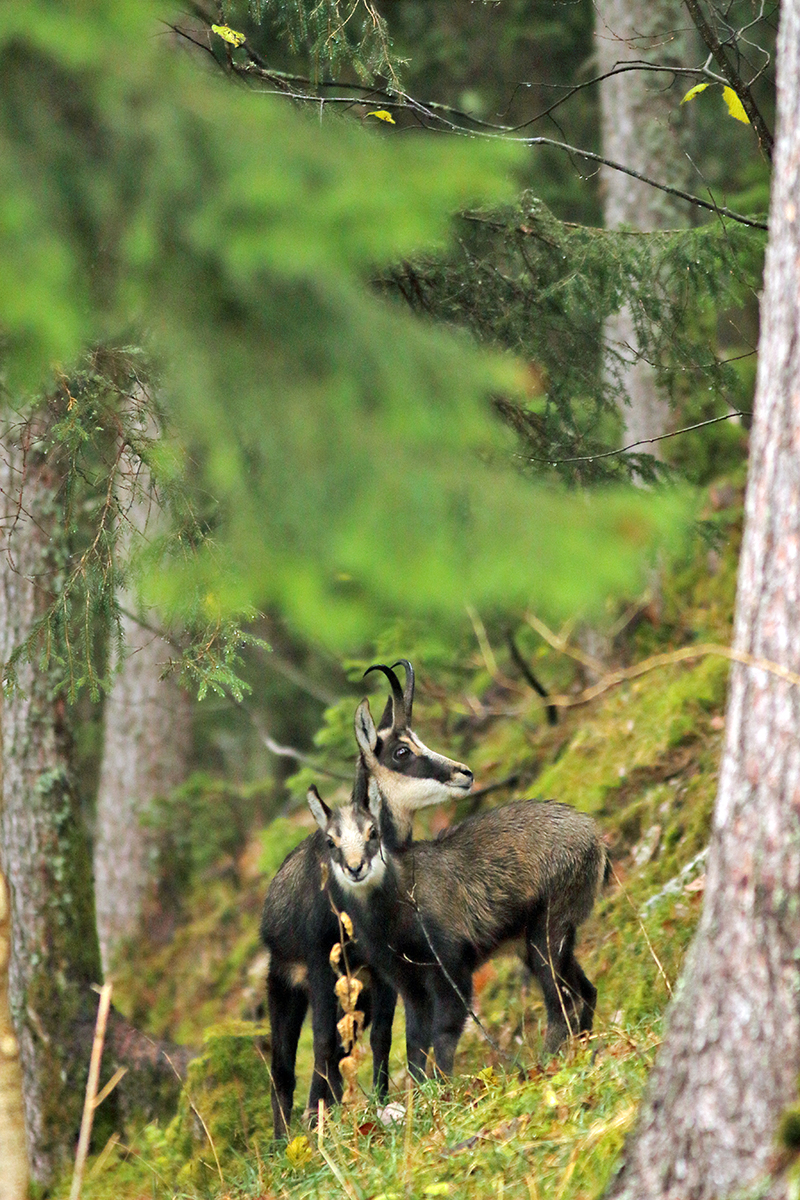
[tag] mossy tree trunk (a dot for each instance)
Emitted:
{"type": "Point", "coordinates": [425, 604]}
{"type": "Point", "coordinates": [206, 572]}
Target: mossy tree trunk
{"type": "Point", "coordinates": [147, 721]}
{"type": "Point", "coordinates": [639, 129]}
{"type": "Point", "coordinates": [730, 1061]}
{"type": "Point", "coordinates": [45, 858]}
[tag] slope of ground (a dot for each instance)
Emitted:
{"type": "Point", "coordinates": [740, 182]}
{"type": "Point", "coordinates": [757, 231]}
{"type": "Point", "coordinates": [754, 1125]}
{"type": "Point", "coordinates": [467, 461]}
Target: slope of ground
{"type": "Point", "coordinates": [643, 758]}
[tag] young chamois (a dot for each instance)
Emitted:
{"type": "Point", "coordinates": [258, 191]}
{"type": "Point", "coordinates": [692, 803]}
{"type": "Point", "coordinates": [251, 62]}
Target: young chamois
{"type": "Point", "coordinates": [299, 926]}
{"type": "Point", "coordinates": [428, 914]}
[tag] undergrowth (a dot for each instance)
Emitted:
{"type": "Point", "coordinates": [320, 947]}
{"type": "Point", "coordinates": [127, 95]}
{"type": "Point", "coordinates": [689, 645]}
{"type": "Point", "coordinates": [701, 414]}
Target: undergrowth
{"type": "Point", "coordinates": [643, 758]}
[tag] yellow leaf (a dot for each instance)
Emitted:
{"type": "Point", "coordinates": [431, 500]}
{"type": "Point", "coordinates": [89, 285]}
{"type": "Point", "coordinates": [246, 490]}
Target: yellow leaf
{"type": "Point", "coordinates": [298, 1151]}
{"type": "Point", "coordinates": [735, 106]}
{"type": "Point", "coordinates": [695, 91]}
{"type": "Point", "coordinates": [232, 36]}
{"type": "Point", "coordinates": [437, 1189]}
{"type": "Point", "coordinates": [382, 115]}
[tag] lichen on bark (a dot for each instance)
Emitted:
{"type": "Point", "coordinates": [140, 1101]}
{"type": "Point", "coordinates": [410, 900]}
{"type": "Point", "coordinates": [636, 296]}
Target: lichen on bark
{"type": "Point", "coordinates": [54, 952]}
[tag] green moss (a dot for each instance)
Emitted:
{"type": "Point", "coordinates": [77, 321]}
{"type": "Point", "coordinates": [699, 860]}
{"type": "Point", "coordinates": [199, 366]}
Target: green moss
{"type": "Point", "coordinates": [224, 1115]}
{"type": "Point", "coordinates": [634, 731]}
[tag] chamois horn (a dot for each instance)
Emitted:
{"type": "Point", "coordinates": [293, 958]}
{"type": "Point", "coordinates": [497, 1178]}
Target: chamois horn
{"type": "Point", "coordinates": [399, 716]}
{"type": "Point", "coordinates": [408, 690]}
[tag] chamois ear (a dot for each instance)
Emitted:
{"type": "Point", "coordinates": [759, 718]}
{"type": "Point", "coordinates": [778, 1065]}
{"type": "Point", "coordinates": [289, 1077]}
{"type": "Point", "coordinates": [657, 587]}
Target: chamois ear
{"type": "Point", "coordinates": [322, 814]}
{"type": "Point", "coordinates": [366, 736]}
{"type": "Point", "coordinates": [375, 801]}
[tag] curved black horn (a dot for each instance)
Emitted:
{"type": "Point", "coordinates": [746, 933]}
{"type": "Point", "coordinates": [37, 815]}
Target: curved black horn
{"type": "Point", "coordinates": [408, 690]}
{"type": "Point", "coordinates": [400, 720]}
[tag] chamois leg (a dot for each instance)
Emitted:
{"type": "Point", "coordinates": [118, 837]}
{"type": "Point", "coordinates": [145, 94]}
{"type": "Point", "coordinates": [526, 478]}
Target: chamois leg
{"type": "Point", "coordinates": [287, 1010]}
{"type": "Point", "coordinates": [450, 1013]}
{"type": "Point", "coordinates": [384, 1003]}
{"type": "Point", "coordinates": [419, 1024]}
{"type": "Point", "coordinates": [546, 957]}
{"type": "Point", "coordinates": [583, 988]}
{"type": "Point", "coordinates": [326, 1081]}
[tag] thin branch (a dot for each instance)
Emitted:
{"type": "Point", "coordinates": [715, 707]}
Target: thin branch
{"type": "Point", "coordinates": [285, 751]}
{"type": "Point", "coordinates": [733, 77]}
{"type": "Point", "coordinates": [654, 662]}
{"type": "Point", "coordinates": [434, 112]}
{"type": "Point", "coordinates": [557, 462]}
{"type": "Point", "coordinates": [528, 675]}
{"type": "Point", "coordinates": [91, 1101]}
{"type": "Point", "coordinates": [719, 209]}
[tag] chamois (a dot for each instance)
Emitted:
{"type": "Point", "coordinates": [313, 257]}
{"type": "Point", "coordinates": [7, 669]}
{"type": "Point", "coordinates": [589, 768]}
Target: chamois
{"type": "Point", "coordinates": [427, 914]}
{"type": "Point", "coordinates": [299, 927]}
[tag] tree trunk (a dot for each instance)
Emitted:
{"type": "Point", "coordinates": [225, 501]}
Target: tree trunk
{"type": "Point", "coordinates": [730, 1061]}
{"type": "Point", "coordinates": [13, 1155]}
{"type": "Point", "coordinates": [639, 129]}
{"type": "Point", "coordinates": [45, 859]}
{"type": "Point", "coordinates": [146, 751]}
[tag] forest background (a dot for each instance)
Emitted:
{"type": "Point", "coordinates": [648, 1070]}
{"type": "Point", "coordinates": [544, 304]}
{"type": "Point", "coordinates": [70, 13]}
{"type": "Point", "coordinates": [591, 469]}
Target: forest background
{"type": "Point", "coordinates": [274, 411]}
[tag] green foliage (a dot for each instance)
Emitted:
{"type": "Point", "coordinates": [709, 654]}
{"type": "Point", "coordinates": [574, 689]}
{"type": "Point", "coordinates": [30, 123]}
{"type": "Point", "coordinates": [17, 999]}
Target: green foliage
{"type": "Point", "coordinates": [277, 840]}
{"type": "Point", "coordinates": [353, 469]}
{"type": "Point", "coordinates": [98, 435]}
{"type": "Point", "coordinates": [548, 302]}
{"type": "Point", "coordinates": [201, 821]}
{"type": "Point", "coordinates": [330, 33]}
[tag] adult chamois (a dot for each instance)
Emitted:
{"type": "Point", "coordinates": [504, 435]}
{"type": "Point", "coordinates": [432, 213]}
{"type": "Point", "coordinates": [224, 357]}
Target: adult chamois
{"type": "Point", "coordinates": [299, 926]}
{"type": "Point", "coordinates": [427, 914]}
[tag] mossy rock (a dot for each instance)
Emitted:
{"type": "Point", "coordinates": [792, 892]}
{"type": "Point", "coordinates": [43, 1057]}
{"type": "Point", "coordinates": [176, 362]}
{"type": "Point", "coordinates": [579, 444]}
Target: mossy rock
{"type": "Point", "coordinates": [224, 1117]}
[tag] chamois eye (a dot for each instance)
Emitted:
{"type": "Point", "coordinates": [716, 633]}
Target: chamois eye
{"type": "Point", "coordinates": [400, 753]}
{"type": "Point", "coordinates": [331, 843]}
{"type": "Point", "coordinates": [372, 833]}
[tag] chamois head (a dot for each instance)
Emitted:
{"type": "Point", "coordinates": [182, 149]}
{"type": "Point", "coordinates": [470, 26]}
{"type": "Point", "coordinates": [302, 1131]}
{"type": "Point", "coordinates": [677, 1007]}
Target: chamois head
{"type": "Point", "coordinates": [407, 773]}
{"type": "Point", "coordinates": [351, 833]}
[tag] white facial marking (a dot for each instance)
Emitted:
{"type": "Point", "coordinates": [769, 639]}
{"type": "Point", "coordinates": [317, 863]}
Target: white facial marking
{"type": "Point", "coordinates": [372, 879]}
{"type": "Point", "coordinates": [351, 840]}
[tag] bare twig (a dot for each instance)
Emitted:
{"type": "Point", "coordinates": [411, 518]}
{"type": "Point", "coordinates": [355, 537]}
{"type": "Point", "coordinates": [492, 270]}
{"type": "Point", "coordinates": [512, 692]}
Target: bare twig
{"type": "Point", "coordinates": [650, 946]}
{"type": "Point", "coordinates": [199, 1116]}
{"type": "Point", "coordinates": [653, 663]}
{"type": "Point", "coordinates": [557, 462]}
{"type": "Point", "coordinates": [461, 123]}
{"type": "Point", "coordinates": [91, 1101]}
{"type": "Point", "coordinates": [733, 77]}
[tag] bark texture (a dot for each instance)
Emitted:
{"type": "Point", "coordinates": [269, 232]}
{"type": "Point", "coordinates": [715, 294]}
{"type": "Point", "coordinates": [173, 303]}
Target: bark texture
{"type": "Point", "coordinates": [43, 850]}
{"type": "Point", "coordinates": [639, 128]}
{"type": "Point", "coordinates": [730, 1061]}
{"type": "Point", "coordinates": [13, 1153]}
{"type": "Point", "coordinates": [146, 751]}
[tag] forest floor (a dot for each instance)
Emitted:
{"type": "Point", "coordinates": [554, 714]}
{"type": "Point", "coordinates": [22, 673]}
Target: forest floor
{"type": "Point", "coordinates": [642, 758]}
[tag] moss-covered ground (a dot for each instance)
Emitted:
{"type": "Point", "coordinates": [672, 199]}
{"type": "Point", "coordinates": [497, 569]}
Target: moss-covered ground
{"type": "Point", "coordinates": [643, 758]}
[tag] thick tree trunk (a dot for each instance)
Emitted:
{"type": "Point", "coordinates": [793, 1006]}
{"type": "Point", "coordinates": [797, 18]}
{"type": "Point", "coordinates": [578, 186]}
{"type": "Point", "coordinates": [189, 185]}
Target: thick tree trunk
{"type": "Point", "coordinates": [13, 1154]}
{"type": "Point", "coordinates": [639, 128]}
{"type": "Point", "coordinates": [146, 752]}
{"type": "Point", "coordinates": [45, 858]}
{"type": "Point", "coordinates": [731, 1058]}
